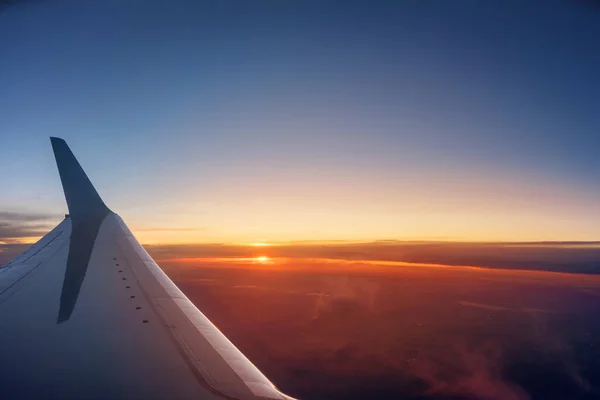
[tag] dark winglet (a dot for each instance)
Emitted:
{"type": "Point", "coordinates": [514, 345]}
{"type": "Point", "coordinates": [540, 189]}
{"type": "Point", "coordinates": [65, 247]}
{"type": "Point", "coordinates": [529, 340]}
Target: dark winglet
{"type": "Point", "coordinates": [87, 211]}
{"type": "Point", "coordinates": [82, 199]}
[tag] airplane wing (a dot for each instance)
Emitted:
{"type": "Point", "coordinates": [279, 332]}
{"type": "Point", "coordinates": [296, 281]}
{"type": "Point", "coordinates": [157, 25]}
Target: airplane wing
{"type": "Point", "coordinates": [85, 313]}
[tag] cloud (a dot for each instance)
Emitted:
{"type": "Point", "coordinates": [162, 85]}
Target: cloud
{"type": "Point", "coordinates": [484, 306]}
{"type": "Point", "coordinates": [572, 257]}
{"type": "Point", "coordinates": [503, 308]}
{"type": "Point", "coordinates": [562, 352]}
{"type": "Point", "coordinates": [449, 366]}
{"type": "Point", "coordinates": [13, 216]}
{"type": "Point", "coordinates": [473, 371]}
{"type": "Point", "coordinates": [159, 229]}
{"type": "Point", "coordinates": [254, 287]}
{"type": "Point", "coordinates": [15, 226]}
{"type": "Point", "coordinates": [343, 292]}
{"type": "Point", "coordinates": [11, 233]}
{"type": "Point", "coordinates": [332, 332]}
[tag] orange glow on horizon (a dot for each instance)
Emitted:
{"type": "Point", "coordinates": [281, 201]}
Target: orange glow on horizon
{"type": "Point", "coordinates": [24, 240]}
{"type": "Point", "coordinates": [329, 261]}
{"type": "Point", "coordinates": [329, 265]}
{"type": "Point", "coordinates": [471, 207]}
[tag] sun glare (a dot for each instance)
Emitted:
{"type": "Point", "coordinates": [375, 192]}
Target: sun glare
{"type": "Point", "coordinates": [262, 259]}
{"type": "Point", "coordinates": [260, 244]}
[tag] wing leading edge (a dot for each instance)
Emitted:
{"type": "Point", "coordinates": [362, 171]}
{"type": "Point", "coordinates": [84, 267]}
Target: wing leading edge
{"type": "Point", "coordinates": [86, 313]}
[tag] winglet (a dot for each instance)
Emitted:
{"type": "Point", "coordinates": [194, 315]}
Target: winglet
{"type": "Point", "coordinates": [82, 199]}
{"type": "Point", "coordinates": [87, 211]}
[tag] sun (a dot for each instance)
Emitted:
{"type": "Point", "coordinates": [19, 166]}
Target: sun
{"type": "Point", "coordinates": [262, 259]}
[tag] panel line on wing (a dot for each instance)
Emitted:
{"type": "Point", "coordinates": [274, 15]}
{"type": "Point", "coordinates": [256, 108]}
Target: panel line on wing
{"type": "Point", "coordinates": [21, 278]}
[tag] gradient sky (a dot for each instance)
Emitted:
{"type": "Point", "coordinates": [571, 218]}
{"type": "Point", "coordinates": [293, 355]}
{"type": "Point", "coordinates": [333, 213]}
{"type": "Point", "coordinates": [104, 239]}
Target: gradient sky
{"type": "Point", "coordinates": [291, 120]}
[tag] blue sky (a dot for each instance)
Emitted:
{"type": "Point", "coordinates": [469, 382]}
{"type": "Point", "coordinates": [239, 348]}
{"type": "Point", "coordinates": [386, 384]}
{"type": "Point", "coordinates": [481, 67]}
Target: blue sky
{"type": "Point", "coordinates": [284, 120]}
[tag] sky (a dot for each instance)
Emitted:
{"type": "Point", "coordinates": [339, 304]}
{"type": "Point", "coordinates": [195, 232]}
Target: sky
{"type": "Point", "coordinates": [276, 121]}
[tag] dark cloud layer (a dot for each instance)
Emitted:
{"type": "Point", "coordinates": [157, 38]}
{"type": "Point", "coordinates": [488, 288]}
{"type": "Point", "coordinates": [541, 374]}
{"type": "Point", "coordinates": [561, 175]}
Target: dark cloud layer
{"type": "Point", "coordinates": [15, 226]}
{"type": "Point", "coordinates": [429, 334]}
{"type": "Point", "coordinates": [576, 257]}
{"type": "Point", "coordinates": [26, 217]}
{"type": "Point", "coordinates": [10, 232]}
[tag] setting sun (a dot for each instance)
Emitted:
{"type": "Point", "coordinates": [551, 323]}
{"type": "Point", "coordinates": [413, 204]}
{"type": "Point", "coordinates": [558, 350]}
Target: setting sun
{"type": "Point", "coordinates": [262, 259]}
